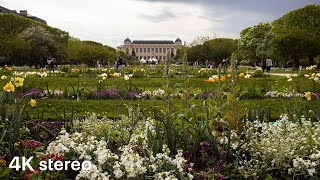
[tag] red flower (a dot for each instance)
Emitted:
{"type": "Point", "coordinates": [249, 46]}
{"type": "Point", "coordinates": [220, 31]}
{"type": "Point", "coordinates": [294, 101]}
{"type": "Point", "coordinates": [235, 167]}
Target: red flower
{"type": "Point", "coordinates": [26, 175]}
{"type": "Point", "coordinates": [31, 144]}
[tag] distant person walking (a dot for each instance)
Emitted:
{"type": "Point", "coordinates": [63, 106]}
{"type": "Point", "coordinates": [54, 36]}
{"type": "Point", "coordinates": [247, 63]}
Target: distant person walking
{"type": "Point", "coordinates": [50, 62]}
{"type": "Point", "coordinates": [224, 65]}
{"type": "Point", "coordinates": [268, 64]}
{"type": "Point", "coordinates": [236, 63]}
{"type": "Point", "coordinates": [264, 64]}
{"type": "Point", "coordinates": [99, 64]}
{"type": "Point", "coordinates": [119, 63]}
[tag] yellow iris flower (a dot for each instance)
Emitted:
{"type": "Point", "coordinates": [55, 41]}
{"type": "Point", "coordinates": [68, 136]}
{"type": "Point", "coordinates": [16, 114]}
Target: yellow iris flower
{"type": "Point", "coordinates": [18, 81]}
{"type": "Point", "coordinates": [241, 74]}
{"type": "Point", "coordinates": [307, 95]}
{"type": "Point", "coordinates": [32, 102]}
{"type": "Point", "coordinates": [8, 87]}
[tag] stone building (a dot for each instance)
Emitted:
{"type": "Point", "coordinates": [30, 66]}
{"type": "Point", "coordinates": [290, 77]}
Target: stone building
{"type": "Point", "coordinates": [150, 48]}
{"type": "Point", "coordinates": [23, 13]}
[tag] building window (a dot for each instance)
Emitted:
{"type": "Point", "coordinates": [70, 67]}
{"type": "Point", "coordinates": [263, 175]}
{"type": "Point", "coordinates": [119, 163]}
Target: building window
{"type": "Point", "coordinates": [160, 58]}
{"type": "Point", "coordinates": [172, 50]}
{"type": "Point", "coordinates": [152, 49]}
{"type": "Point", "coordinates": [156, 50]}
{"type": "Point", "coordinates": [141, 50]}
{"type": "Point", "coordinates": [164, 50]}
{"type": "Point", "coordinates": [164, 58]}
{"type": "Point", "coordinates": [148, 57]}
{"type": "Point", "coordinates": [145, 57]}
{"type": "Point", "coordinates": [144, 50]}
{"type": "Point", "coordinates": [148, 50]}
{"type": "Point", "coordinates": [137, 50]}
{"type": "Point", "coordinates": [157, 57]}
{"type": "Point", "coordinates": [160, 50]}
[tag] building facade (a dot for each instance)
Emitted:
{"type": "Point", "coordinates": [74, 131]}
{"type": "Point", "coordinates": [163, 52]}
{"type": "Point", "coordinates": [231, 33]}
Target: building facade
{"type": "Point", "coordinates": [23, 13]}
{"type": "Point", "coordinates": [147, 49]}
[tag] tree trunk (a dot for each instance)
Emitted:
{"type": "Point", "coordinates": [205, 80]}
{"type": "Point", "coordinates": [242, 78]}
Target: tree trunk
{"type": "Point", "coordinates": [296, 63]}
{"type": "Point", "coordinates": [311, 60]}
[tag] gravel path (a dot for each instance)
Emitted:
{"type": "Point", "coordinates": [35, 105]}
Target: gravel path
{"type": "Point", "coordinates": [278, 74]}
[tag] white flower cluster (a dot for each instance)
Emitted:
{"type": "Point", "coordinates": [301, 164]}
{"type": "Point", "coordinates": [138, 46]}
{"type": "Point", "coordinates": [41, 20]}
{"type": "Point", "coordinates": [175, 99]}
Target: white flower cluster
{"type": "Point", "coordinates": [52, 92]}
{"type": "Point", "coordinates": [313, 76]}
{"type": "Point", "coordinates": [159, 93]}
{"type": "Point", "coordinates": [276, 94]}
{"type": "Point", "coordinates": [289, 76]}
{"type": "Point", "coordinates": [127, 77]}
{"type": "Point", "coordinates": [132, 161]}
{"type": "Point", "coordinates": [279, 145]}
{"type": "Point", "coordinates": [311, 68]}
{"type": "Point", "coordinates": [28, 73]}
{"type": "Point", "coordinates": [103, 75]}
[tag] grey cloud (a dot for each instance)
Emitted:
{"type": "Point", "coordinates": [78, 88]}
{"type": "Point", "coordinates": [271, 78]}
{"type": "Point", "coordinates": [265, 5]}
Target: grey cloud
{"type": "Point", "coordinates": [275, 7]}
{"type": "Point", "coordinates": [163, 15]}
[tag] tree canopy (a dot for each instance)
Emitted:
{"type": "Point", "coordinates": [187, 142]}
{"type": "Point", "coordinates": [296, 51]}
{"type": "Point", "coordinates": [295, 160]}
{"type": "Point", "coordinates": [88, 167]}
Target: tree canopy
{"type": "Point", "coordinates": [211, 50]}
{"type": "Point", "coordinates": [25, 41]}
{"type": "Point", "coordinates": [291, 37]}
{"type": "Point", "coordinates": [254, 42]}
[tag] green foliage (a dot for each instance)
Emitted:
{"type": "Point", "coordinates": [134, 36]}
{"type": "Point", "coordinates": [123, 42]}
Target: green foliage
{"type": "Point", "coordinates": [40, 41]}
{"type": "Point", "coordinates": [303, 18]}
{"type": "Point", "coordinates": [220, 48]}
{"type": "Point", "coordinates": [13, 25]}
{"type": "Point", "coordinates": [85, 52]}
{"type": "Point", "coordinates": [303, 23]}
{"type": "Point", "coordinates": [295, 44]}
{"type": "Point", "coordinates": [214, 49]}
{"type": "Point", "coordinates": [254, 42]}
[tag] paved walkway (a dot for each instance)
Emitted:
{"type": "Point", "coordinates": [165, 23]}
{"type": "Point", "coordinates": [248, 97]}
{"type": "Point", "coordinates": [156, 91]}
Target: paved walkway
{"type": "Point", "coordinates": [279, 74]}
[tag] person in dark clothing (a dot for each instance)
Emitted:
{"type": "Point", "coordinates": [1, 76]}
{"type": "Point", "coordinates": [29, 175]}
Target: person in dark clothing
{"type": "Point", "coordinates": [50, 62]}
{"type": "Point", "coordinates": [119, 63]}
{"type": "Point", "coordinates": [264, 64]}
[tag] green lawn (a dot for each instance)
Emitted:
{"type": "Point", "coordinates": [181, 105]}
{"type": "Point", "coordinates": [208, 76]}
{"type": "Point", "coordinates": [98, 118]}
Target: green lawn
{"type": "Point", "coordinates": [53, 108]}
{"type": "Point", "coordinates": [89, 84]}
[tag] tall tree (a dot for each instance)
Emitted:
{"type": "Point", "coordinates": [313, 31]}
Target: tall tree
{"type": "Point", "coordinates": [41, 41]}
{"type": "Point", "coordinates": [306, 18]}
{"type": "Point", "coordinates": [254, 42]}
{"type": "Point", "coordinates": [295, 44]}
{"type": "Point", "coordinates": [220, 48]}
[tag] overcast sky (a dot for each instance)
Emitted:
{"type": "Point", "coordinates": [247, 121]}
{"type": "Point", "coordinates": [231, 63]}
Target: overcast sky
{"type": "Point", "coordinates": [111, 21]}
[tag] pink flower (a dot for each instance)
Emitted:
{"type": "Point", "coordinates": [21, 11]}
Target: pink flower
{"type": "Point", "coordinates": [26, 175]}
{"type": "Point", "coordinates": [31, 144]}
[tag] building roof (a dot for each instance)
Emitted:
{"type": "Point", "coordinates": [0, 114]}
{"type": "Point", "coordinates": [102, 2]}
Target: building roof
{"type": "Point", "coordinates": [127, 40]}
{"type": "Point", "coordinates": [37, 19]}
{"type": "Point", "coordinates": [151, 42]}
{"type": "Point", "coordinates": [5, 10]}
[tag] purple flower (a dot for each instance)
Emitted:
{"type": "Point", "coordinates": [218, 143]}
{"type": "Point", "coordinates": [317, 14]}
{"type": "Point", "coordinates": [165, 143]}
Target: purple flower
{"type": "Point", "coordinates": [222, 153]}
{"type": "Point", "coordinates": [187, 155]}
{"type": "Point", "coordinates": [188, 167]}
{"type": "Point", "coordinates": [106, 94]}
{"type": "Point", "coordinates": [204, 145]}
{"type": "Point", "coordinates": [200, 176]}
{"type": "Point", "coordinates": [219, 178]}
{"type": "Point", "coordinates": [34, 92]}
{"type": "Point", "coordinates": [130, 95]}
